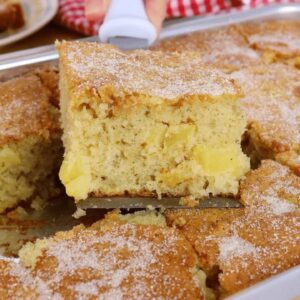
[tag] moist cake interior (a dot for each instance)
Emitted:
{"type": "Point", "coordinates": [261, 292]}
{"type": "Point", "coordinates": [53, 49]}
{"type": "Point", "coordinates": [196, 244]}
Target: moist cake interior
{"type": "Point", "coordinates": [30, 141]}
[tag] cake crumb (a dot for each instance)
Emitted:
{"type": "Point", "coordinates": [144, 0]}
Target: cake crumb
{"type": "Point", "coordinates": [189, 201]}
{"type": "Point", "coordinates": [79, 213]}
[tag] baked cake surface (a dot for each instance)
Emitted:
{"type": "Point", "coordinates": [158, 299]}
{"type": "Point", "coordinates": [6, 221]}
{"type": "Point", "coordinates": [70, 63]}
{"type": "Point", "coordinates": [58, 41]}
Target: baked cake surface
{"type": "Point", "coordinates": [223, 47]}
{"type": "Point", "coordinates": [276, 39]}
{"type": "Point", "coordinates": [22, 114]}
{"type": "Point", "coordinates": [244, 246]}
{"type": "Point", "coordinates": [12, 274]}
{"type": "Point", "coordinates": [110, 260]}
{"type": "Point", "coordinates": [29, 139]}
{"type": "Point", "coordinates": [272, 107]}
{"type": "Point", "coordinates": [147, 123]}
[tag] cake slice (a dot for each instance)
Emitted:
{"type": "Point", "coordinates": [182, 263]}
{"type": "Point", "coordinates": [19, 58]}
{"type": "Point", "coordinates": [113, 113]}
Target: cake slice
{"type": "Point", "coordinates": [11, 15]}
{"type": "Point", "coordinates": [272, 107]}
{"type": "Point", "coordinates": [240, 247]}
{"type": "Point", "coordinates": [147, 123]}
{"type": "Point", "coordinates": [112, 259]}
{"type": "Point", "coordinates": [30, 147]}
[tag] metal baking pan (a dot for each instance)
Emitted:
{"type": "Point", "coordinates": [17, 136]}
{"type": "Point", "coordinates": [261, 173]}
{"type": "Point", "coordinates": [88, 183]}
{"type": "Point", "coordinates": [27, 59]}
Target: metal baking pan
{"type": "Point", "coordinates": [282, 286]}
{"type": "Point", "coordinates": [31, 57]}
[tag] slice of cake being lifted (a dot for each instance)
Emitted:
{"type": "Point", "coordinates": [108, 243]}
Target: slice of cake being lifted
{"type": "Point", "coordinates": [147, 123]}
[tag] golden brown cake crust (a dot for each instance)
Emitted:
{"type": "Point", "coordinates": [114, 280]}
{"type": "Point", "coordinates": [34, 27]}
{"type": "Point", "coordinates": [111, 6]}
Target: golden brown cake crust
{"type": "Point", "coordinates": [197, 224]}
{"type": "Point", "coordinates": [25, 109]}
{"type": "Point", "coordinates": [112, 261]}
{"type": "Point", "coordinates": [272, 107]}
{"type": "Point", "coordinates": [223, 47]}
{"type": "Point", "coordinates": [262, 247]}
{"type": "Point", "coordinates": [10, 270]}
{"type": "Point", "coordinates": [271, 188]}
{"type": "Point", "coordinates": [49, 76]}
{"type": "Point", "coordinates": [271, 104]}
{"type": "Point", "coordinates": [89, 68]}
{"type": "Point", "coordinates": [144, 254]}
{"type": "Point", "coordinates": [290, 159]}
{"type": "Point", "coordinates": [251, 244]}
{"type": "Point", "coordinates": [280, 36]}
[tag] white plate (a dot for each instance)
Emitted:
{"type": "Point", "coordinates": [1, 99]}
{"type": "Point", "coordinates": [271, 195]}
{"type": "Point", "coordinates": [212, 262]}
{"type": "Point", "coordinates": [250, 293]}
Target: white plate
{"type": "Point", "coordinates": [37, 14]}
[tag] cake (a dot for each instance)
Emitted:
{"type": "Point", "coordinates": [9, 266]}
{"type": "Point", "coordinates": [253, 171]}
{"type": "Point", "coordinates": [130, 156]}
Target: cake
{"type": "Point", "coordinates": [147, 123]}
{"type": "Point", "coordinates": [272, 107]}
{"type": "Point", "coordinates": [271, 188]}
{"type": "Point", "coordinates": [11, 15]}
{"type": "Point", "coordinates": [30, 146]}
{"type": "Point", "coordinates": [111, 259]}
{"type": "Point", "coordinates": [240, 247]}
{"type": "Point", "coordinates": [13, 272]}
{"type": "Point", "coordinates": [224, 48]}
{"type": "Point", "coordinates": [276, 40]}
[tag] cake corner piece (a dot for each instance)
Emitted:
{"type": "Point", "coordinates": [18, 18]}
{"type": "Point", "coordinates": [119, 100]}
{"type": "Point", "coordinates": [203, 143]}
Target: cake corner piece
{"type": "Point", "coordinates": [29, 133]}
{"type": "Point", "coordinates": [147, 123]}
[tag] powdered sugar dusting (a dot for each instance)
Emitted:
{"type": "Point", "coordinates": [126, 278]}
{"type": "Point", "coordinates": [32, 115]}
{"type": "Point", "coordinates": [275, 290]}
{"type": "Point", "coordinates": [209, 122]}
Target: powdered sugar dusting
{"type": "Point", "coordinates": [279, 206]}
{"type": "Point", "coordinates": [24, 284]}
{"type": "Point", "coordinates": [272, 103]}
{"type": "Point", "coordinates": [222, 47]}
{"type": "Point", "coordinates": [81, 254]}
{"type": "Point", "coordinates": [87, 289]}
{"type": "Point", "coordinates": [24, 110]}
{"type": "Point", "coordinates": [272, 189]}
{"type": "Point", "coordinates": [286, 39]}
{"type": "Point", "coordinates": [297, 159]}
{"type": "Point", "coordinates": [117, 262]}
{"type": "Point", "coordinates": [281, 36]}
{"type": "Point", "coordinates": [157, 74]}
{"type": "Point", "coordinates": [233, 246]}
{"type": "Point", "coordinates": [252, 243]}
{"type": "Point", "coordinates": [231, 50]}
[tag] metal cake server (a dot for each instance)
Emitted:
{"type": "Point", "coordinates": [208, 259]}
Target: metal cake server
{"type": "Point", "coordinates": [144, 202]}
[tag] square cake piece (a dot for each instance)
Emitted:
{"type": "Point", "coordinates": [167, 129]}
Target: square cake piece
{"type": "Point", "coordinates": [30, 146]}
{"type": "Point", "coordinates": [272, 108]}
{"type": "Point", "coordinates": [147, 123]}
{"type": "Point", "coordinates": [110, 260]}
{"type": "Point", "coordinates": [240, 247]}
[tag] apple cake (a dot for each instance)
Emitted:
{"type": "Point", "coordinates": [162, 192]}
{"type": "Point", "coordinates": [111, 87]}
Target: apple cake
{"type": "Point", "coordinates": [272, 107]}
{"type": "Point", "coordinates": [276, 40]}
{"type": "Point", "coordinates": [240, 247]}
{"type": "Point", "coordinates": [30, 146]}
{"type": "Point", "coordinates": [11, 15]}
{"type": "Point", "coordinates": [112, 259]}
{"type": "Point", "coordinates": [147, 123]}
{"type": "Point", "coordinates": [224, 48]}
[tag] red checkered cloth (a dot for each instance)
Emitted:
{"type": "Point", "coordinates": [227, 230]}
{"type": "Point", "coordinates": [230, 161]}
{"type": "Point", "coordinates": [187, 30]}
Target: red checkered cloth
{"type": "Point", "coordinates": [71, 12]}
